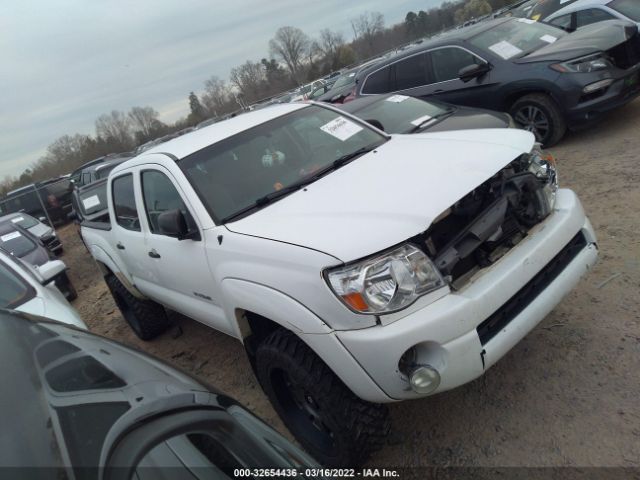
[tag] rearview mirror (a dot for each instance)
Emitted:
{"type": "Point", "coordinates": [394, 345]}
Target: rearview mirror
{"type": "Point", "coordinates": [173, 223]}
{"type": "Point", "coordinates": [50, 270]}
{"type": "Point", "coordinates": [472, 71]}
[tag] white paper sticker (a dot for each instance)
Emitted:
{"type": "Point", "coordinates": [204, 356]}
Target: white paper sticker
{"type": "Point", "coordinates": [505, 49]}
{"type": "Point", "coordinates": [548, 38]}
{"type": "Point", "coordinates": [397, 98]}
{"type": "Point", "coordinates": [341, 128]}
{"type": "Point", "coordinates": [10, 236]}
{"type": "Point", "coordinates": [17, 219]}
{"type": "Point", "coordinates": [421, 120]}
{"type": "Point", "coordinates": [526, 20]}
{"type": "Point", "coordinates": [91, 202]}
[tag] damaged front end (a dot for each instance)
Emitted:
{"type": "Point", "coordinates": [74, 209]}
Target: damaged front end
{"type": "Point", "coordinates": [485, 224]}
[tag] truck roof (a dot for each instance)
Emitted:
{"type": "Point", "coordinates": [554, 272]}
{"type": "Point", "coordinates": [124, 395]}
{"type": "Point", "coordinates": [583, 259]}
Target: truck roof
{"type": "Point", "coordinates": [185, 145]}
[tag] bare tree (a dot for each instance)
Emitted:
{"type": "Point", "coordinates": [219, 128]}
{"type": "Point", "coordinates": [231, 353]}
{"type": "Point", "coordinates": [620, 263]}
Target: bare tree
{"type": "Point", "coordinates": [248, 78]}
{"type": "Point", "coordinates": [331, 44]}
{"type": "Point", "coordinates": [290, 44]}
{"type": "Point", "coordinates": [216, 96]}
{"type": "Point", "coordinates": [115, 127]}
{"type": "Point", "coordinates": [367, 27]}
{"type": "Point", "coordinates": [144, 120]}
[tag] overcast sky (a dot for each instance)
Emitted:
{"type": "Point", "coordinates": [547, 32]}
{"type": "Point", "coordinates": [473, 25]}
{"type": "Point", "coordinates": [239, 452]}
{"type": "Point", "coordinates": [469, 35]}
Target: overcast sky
{"type": "Point", "coordinates": [65, 62]}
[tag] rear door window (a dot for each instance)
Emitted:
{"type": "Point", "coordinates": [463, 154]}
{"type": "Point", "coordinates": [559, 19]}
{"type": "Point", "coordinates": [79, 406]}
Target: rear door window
{"type": "Point", "coordinates": [124, 203]}
{"type": "Point", "coordinates": [412, 72]}
{"type": "Point", "coordinates": [378, 82]}
{"type": "Point", "coordinates": [447, 62]}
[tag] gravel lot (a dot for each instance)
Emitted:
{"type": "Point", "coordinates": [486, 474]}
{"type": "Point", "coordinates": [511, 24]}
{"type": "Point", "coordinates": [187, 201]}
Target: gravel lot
{"type": "Point", "coordinates": [567, 395]}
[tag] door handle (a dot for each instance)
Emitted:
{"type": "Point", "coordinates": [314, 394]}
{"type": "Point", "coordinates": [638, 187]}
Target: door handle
{"type": "Point", "coordinates": [438, 91]}
{"type": "Point", "coordinates": [154, 254]}
{"type": "Point", "coordinates": [120, 246]}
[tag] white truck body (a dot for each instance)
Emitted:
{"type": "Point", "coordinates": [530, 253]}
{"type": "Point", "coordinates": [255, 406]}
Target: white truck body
{"type": "Point", "coordinates": [271, 262]}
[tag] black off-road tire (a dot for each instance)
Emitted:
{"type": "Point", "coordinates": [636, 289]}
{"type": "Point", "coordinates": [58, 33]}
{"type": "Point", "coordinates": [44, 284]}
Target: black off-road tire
{"type": "Point", "coordinates": [546, 106]}
{"type": "Point", "coordinates": [146, 318]}
{"type": "Point", "coordinates": [354, 428]}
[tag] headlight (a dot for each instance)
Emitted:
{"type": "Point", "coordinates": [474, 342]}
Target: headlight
{"type": "Point", "coordinates": [543, 166]}
{"type": "Point", "coordinates": [590, 63]}
{"type": "Point", "coordinates": [385, 283]}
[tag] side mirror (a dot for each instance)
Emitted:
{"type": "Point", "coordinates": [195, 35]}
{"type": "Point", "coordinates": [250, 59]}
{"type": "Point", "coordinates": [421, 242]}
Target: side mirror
{"type": "Point", "coordinates": [173, 223]}
{"type": "Point", "coordinates": [472, 71]}
{"type": "Point", "coordinates": [50, 270]}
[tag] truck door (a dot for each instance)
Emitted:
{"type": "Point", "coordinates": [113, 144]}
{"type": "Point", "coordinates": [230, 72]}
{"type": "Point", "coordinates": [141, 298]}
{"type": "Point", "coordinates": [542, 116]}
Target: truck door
{"type": "Point", "coordinates": [186, 283]}
{"type": "Point", "coordinates": [128, 236]}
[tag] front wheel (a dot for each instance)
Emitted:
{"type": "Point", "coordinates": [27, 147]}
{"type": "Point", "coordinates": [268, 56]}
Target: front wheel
{"type": "Point", "coordinates": [540, 115]}
{"type": "Point", "coordinates": [330, 422]}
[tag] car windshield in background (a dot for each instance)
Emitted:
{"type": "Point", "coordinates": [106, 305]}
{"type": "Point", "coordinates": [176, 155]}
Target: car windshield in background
{"type": "Point", "coordinates": [25, 221]}
{"type": "Point", "coordinates": [516, 38]}
{"type": "Point", "coordinates": [628, 8]}
{"type": "Point", "coordinates": [346, 79]}
{"type": "Point", "coordinates": [402, 114]}
{"type": "Point", "coordinates": [235, 173]}
{"type": "Point", "coordinates": [93, 199]}
{"type": "Point", "coordinates": [16, 243]}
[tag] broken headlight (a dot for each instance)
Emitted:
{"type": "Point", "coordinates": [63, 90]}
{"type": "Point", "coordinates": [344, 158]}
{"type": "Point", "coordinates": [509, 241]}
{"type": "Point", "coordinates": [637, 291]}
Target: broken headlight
{"type": "Point", "coordinates": [385, 283]}
{"type": "Point", "coordinates": [543, 166]}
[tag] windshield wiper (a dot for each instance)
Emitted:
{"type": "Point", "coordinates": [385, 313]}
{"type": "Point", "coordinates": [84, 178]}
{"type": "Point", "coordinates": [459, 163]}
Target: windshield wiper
{"type": "Point", "coordinates": [427, 121]}
{"type": "Point", "coordinates": [270, 197]}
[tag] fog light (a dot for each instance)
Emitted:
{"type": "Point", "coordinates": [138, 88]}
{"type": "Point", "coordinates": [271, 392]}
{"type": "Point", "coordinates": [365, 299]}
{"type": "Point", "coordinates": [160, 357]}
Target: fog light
{"type": "Point", "coordinates": [594, 87]}
{"type": "Point", "coordinates": [424, 379]}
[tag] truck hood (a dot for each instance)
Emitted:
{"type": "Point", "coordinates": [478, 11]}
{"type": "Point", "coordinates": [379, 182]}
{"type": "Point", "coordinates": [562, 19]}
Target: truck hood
{"type": "Point", "coordinates": [597, 37]}
{"type": "Point", "coordinates": [389, 195]}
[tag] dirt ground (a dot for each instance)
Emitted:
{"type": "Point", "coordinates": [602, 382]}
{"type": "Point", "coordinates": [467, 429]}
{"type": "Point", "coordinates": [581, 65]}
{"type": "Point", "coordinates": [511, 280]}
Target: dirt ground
{"type": "Point", "coordinates": [567, 395]}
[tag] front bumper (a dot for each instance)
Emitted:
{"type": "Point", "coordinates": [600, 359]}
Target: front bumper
{"type": "Point", "coordinates": [446, 334]}
{"type": "Point", "coordinates": [583, 109]}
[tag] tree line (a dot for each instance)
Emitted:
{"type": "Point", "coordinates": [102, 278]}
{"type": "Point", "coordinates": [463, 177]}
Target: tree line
{"type": "Point", "coordinates": [295, 58]}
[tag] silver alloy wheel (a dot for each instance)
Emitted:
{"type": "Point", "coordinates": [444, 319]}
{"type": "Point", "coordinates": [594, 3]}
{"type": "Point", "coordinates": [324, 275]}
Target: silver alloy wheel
{"type": "Point", "coordinates": [534, 120]}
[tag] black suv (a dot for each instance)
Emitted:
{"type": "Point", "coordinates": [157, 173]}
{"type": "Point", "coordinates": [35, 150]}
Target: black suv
{"type": "Point", "coordinates": [546, 78]}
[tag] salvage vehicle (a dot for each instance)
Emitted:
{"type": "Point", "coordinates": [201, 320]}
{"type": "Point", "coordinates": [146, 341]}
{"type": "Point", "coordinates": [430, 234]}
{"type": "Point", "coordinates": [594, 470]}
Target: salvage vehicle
{"type": "Point", "coordinates": [79, 406]}
{"type": "Point", "coordinates": [394, 113]}
{"type": "Point", "coordinates": [585, 12]}
{"type": "Point", "coordinates": [22, 244]}
{"type": "Point", "coordinates": [546, 78]}
{"type": "Point", "coordinates": [44, 232]}
{"type": "Point", "coordinates": [357, 268]}
{"type": "Point", "coordinates": [29, 289]}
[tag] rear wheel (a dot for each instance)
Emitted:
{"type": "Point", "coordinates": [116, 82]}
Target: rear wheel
{"type": "Point", "coordinates": [540, 115]}
{"type": "Point", "coordinates": [332, 424]}
{"type": "Point", "coordinates": [146, 318]}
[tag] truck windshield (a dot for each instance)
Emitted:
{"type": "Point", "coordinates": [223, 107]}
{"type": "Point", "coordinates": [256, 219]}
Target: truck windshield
{"type": "Point", "coordinates": [16, 243]}
{"type": "Point", "coordinates": [25, 221]}
{"type": "Point", "coordinates": [516, 38]}
{"type": "Point", "coordinates": [232, 175]}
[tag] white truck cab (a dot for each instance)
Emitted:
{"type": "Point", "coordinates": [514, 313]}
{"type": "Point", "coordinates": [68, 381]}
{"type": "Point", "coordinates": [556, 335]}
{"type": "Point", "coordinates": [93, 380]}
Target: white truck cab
{"type": "Point", "coordinates": [357, 268]}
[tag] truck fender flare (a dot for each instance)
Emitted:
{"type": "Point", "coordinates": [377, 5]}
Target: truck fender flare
{"type": "Point", "coordinates": [244, 295]}
{"type": "Point", "coordinates": [108, 266]}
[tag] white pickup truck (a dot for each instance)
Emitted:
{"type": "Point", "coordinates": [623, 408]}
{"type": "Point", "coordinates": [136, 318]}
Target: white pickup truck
{"type": "Point", "coordinates": [356, 267]}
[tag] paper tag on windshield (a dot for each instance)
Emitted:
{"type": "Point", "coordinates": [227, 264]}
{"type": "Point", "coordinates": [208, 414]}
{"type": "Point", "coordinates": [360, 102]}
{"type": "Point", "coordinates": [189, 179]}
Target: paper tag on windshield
{"type": "Point", "coordinates": [91, 202]}
{"type": "Point", "coordinates": [505, 49]}
{"type": "Point", "coordinates": [526, 20]}
{"type": "Point", "coordinates": [397, 98]}
{"type": "Point", "coordinates": [10, 236]}
{"type": "Point", "coordinates": [548, 38]}
{"type": "Point", "coordinates": [17, 219]}
{"type": "Point", "coordinates": [341, 128]}
{"type": "Point", "coordinates": [421, 120]}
